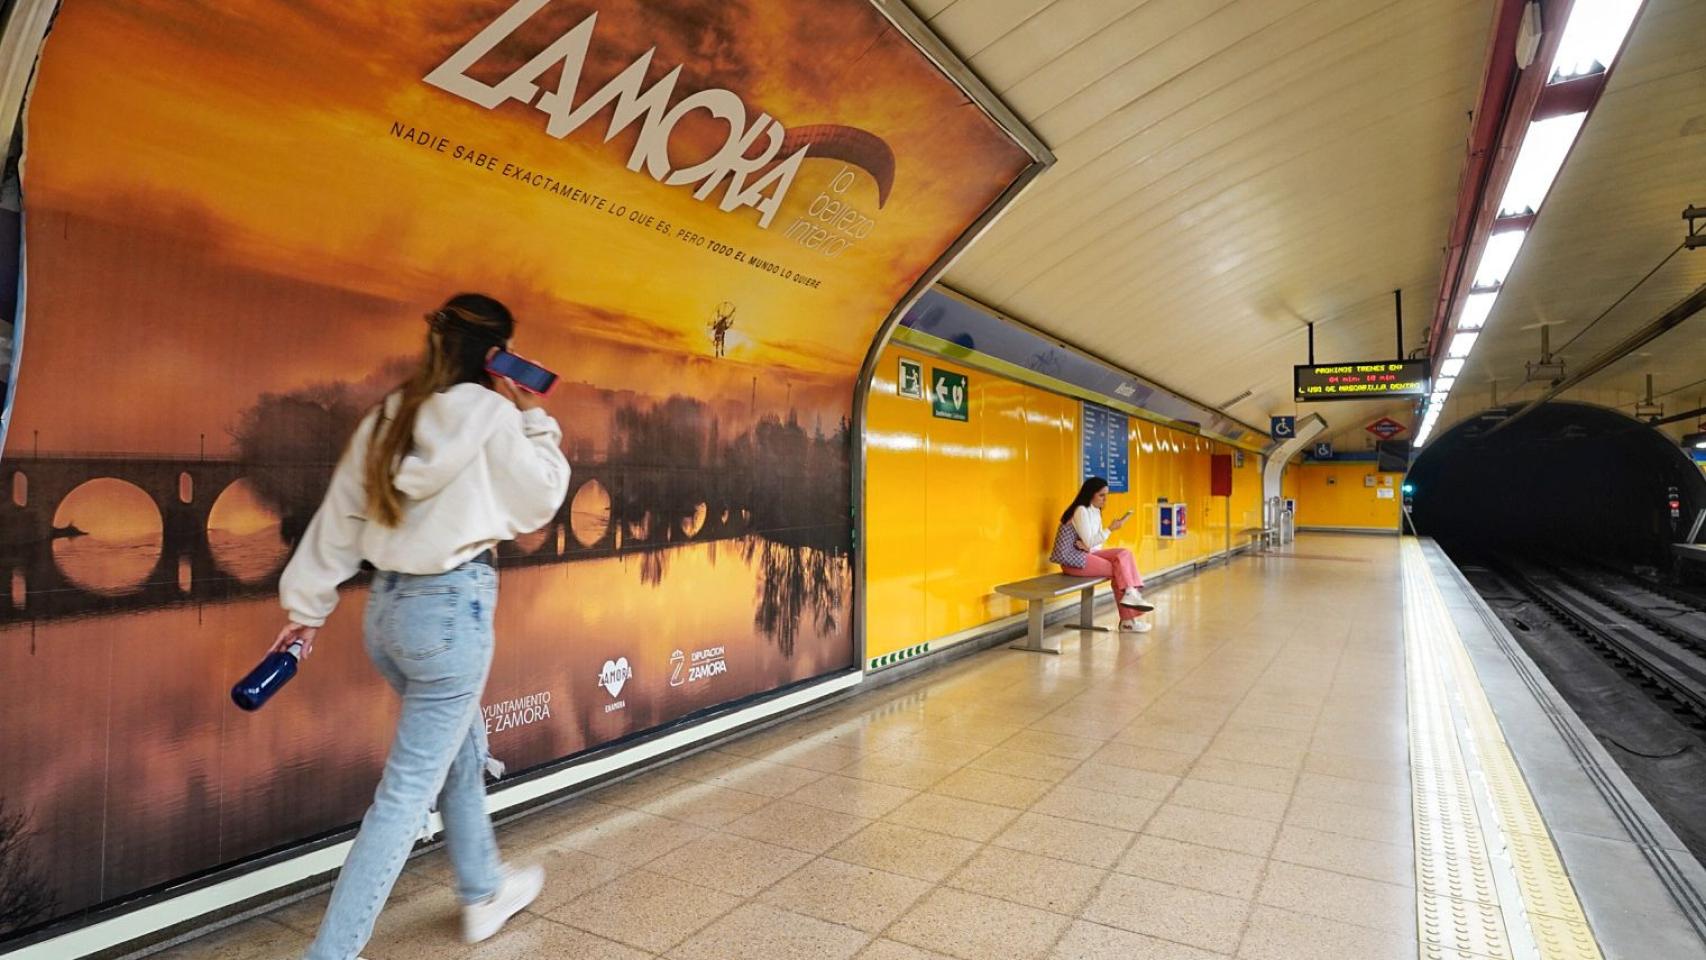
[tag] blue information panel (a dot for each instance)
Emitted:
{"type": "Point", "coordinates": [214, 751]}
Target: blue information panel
{"type": "Point", "coordinates": [1105, 452]}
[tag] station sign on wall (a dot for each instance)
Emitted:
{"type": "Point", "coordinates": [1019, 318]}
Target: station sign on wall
{"type": "Point", "coordinates": [1105, 437]}
{"type": "Point", "coordinates": [1362, 380]}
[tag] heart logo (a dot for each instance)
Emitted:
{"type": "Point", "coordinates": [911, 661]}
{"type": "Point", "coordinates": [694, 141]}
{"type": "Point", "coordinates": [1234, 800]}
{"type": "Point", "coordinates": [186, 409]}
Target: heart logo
{"type": "Point", "coordinates": [614, 675]}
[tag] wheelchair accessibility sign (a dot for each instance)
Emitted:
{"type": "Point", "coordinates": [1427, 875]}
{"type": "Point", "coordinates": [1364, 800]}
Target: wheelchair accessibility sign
{"type": "Point", "coordinates": [949, 397]}
{"type": "Point", "coordinates": [1282, 428]}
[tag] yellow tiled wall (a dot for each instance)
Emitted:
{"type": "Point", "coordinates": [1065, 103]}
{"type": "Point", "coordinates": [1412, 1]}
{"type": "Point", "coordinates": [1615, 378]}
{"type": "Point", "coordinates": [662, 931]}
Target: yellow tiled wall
{"type": "Point", "coordinates": [1337, 495]}
{"type": "Point", "coordinates": [953, 508]}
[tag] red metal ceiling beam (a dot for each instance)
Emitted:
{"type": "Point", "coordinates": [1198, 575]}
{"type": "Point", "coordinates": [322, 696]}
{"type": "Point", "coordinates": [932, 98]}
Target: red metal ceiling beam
{"type": "Point", "coordinates": [1569, 96]}
{"type": "Point", "coordinates": [1508, 100]}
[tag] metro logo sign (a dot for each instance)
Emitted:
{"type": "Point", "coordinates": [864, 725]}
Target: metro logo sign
{"type": "Point", "coordinates": [1386, 428]}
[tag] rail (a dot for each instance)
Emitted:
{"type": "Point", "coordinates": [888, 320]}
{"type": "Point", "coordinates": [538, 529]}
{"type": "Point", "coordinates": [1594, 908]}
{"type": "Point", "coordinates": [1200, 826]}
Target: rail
{"type": "Point", "coordinates": [1670, 656]}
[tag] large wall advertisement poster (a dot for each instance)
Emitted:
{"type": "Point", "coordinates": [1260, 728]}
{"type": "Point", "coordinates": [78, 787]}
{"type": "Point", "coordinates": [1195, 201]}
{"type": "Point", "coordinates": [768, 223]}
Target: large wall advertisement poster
{"type": "Point", "coordinates": [236, 215]}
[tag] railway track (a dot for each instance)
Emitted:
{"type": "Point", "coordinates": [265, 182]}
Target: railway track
{"type": "Point", "coordinates": [1628, 675]}
{"type": "Point", "coordinates": [1666, 610]}
{"type": "Point", "coordinates": [1651, 636]}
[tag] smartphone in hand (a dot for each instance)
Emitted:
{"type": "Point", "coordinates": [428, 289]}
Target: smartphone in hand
{"type": "Point", "coordinates": [523, 373]}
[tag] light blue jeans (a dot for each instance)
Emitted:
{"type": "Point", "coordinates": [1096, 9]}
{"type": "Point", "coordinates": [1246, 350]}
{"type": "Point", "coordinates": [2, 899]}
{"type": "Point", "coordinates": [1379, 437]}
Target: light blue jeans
{"type": "Point", "coordinates": [431, 637]}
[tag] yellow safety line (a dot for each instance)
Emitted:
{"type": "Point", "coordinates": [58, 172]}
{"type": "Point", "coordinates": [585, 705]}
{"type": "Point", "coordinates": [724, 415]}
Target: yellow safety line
{"type": "Point", "coordinates": [1487, 872]}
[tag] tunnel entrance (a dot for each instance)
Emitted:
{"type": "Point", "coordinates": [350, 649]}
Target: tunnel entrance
{"type": "Point", "coordinates": [1568, 480]}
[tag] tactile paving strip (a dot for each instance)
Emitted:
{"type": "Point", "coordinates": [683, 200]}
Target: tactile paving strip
{"type": "Point", "coordinates": [1462, 926]}
{"type": "Point", "coordinates": [1487, 872]}
{"type": "Point", "coordinates": [1457, 903]}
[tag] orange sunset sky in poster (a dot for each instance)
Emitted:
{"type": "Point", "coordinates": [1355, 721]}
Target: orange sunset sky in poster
{"type": "Point", "coordinates": [216, 207]}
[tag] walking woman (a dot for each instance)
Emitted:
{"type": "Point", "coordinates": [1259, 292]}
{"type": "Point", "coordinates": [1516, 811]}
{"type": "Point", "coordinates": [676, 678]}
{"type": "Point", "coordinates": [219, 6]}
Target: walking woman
{"type": "Point", "coordinates": [1078, 550]}
{"type": "Point", "coordinates": [447, 466]}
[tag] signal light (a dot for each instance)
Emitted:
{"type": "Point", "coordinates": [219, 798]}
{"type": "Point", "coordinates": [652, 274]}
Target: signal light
{"type": "Point", "coordinates": [1409, 488]}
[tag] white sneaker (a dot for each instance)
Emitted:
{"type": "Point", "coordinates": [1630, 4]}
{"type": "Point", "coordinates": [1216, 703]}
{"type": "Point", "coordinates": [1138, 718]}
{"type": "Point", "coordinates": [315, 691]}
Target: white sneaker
{"type": "Point", "coordinates": [519, 888]}
{"type": "Point", "coordinates": [1133, 597]}
{"type": "Point", "coordinates": [1135, 626]}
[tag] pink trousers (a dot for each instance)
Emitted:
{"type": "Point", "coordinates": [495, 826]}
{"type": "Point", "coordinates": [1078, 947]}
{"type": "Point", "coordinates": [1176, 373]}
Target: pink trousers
{"type": "Point", "coordinates": [1118, 564]}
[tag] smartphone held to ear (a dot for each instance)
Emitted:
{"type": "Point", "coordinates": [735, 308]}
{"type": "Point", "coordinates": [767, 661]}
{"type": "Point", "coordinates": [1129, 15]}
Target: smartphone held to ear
{"type": "Point", "coordinates": [523, 373]}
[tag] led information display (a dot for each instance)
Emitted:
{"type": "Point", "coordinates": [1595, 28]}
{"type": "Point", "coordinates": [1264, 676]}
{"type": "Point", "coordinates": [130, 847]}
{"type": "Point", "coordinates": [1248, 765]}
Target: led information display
{"type": "Point", "coordinates": [1361, 381]}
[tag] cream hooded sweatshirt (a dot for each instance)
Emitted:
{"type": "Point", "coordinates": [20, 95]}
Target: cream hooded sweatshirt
{"type": "Point", "coordinates": [481, 471]}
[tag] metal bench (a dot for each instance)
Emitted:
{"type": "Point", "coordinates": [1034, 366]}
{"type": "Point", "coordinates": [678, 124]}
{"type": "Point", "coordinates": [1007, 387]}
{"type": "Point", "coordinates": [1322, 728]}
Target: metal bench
{"type": "Point", "coordinates": [1039, 590]}
{"type": "Point", "coordinates": [1261, 535]}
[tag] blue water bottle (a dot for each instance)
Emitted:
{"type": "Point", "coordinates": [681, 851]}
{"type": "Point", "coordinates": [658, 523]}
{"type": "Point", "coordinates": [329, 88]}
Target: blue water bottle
{"type": "Point", "coordinates": [274, 672]}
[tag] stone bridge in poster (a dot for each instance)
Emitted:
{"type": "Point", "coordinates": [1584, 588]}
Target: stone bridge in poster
{"type": "Point", "coordinates": [610, 508]}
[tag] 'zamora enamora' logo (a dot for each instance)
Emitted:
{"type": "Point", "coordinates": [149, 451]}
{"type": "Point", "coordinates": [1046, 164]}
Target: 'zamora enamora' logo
{"type": "Point", "coordinates": [759, 180]}
{"type": "Point", "coordinates": [613, 677]}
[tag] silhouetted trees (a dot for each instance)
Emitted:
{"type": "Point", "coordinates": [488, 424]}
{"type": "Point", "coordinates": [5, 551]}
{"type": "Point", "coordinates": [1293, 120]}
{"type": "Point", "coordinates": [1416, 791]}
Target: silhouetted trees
{"type": "Point", "coordinates": [668, 448]}
{"type": "Point", "coordinates": [24, 897]}
{"type": "Point", "coordinates": [796, 485]}
{"type": "Point", "coordinates": [291, 441]}
{"type": "Point", "coordinates": [795, 581]}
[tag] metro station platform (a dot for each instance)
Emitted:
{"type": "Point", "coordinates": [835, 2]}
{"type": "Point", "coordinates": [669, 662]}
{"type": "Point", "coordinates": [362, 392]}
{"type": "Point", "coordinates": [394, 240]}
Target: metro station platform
{"type": "Point", "coordinates": [1322, 753]}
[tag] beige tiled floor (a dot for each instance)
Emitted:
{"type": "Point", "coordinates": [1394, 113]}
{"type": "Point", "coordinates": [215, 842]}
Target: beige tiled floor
{"type": "Point", "coordinates": [1233, 784]}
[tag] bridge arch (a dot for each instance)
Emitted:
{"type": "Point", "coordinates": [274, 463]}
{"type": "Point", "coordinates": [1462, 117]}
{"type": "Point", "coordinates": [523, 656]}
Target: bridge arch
{"type": "Point", "coordinates": [108, 536]}
{"type": "Point", "coordinates": [591, 516]}
{"type": "Point", "coordinates": [244, 535]}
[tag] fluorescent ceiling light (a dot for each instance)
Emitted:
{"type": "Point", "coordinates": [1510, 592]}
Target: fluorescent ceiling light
{"type": "Point", "coordinates": [1538, 162]}
{"type": "Point", "coordinates": [1461, 343]}
{"type": "Point", "coordinates": [1450, 368]}
{"type": "Point", "coordinates": [1444, 384]}
{"type": "Point", "coordinates": [1496, 259]}
{"type": "Point", "coordinates": [1592, 37]}
{"type": "Point", "coordinates": [1476, 307]}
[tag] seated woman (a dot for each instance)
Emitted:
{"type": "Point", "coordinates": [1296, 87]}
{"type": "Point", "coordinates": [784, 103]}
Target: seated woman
{"type": "Point", "coordinates": [1078, 550]}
